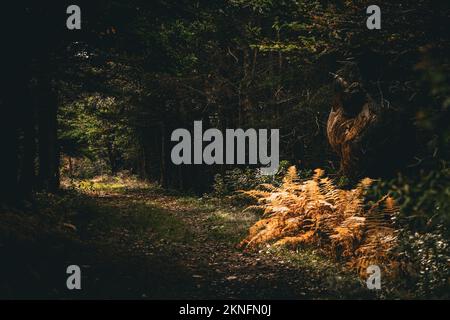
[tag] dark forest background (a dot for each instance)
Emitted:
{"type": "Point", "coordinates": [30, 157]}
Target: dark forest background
{"type": "Point", "coordinates": [110, 94]}
{"type": "Point", "coordinates": [105, 99]}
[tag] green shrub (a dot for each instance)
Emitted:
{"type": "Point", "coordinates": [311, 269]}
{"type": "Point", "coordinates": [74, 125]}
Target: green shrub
{"type": "Point", "coordinates": [423, 225]}
{"type": "Point", "coordinates": [227, 184]}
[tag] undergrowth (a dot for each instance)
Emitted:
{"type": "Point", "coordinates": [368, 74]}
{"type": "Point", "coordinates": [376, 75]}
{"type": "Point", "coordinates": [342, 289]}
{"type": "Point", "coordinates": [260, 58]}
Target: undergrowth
{"type": "Point", "coordinates": [340, 222]}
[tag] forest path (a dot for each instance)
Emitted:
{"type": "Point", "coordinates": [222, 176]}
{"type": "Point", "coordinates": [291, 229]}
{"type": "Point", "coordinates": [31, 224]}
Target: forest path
{"type": "Point", "coordinates": [146, 243]}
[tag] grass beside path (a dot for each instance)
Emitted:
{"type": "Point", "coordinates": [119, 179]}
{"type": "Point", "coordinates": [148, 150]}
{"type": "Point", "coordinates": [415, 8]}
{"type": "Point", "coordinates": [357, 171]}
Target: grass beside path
{"type": "Point", "coordinates": [135, 240]}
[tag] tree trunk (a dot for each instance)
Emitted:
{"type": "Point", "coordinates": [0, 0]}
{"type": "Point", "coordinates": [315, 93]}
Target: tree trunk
{"type": "Point", "coordinates": [13, 86]}
{"type": "Point", "coordinates": [346, 137]}
{"type": "Point", "coordinates": [9, 145]}
{"type": "Point", "coordinates": [163, 159]}
{"type": "Point", "coordinates": [48, 146]}
{"type": "Point", "coordinates": [27, 171]}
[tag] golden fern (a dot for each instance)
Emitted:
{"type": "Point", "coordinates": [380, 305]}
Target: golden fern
{"type": "Point", "coordinates": [316, 212]}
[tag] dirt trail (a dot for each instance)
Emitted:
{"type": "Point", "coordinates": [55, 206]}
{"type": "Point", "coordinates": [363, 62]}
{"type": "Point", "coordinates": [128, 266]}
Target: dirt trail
{"type": "Point", "coordinates": [148, 244]}
{"type": "Point", "coordinates": [140, 242]}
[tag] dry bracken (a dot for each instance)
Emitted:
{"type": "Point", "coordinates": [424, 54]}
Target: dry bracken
{"type": "Point", "coordinates": [338, 221]}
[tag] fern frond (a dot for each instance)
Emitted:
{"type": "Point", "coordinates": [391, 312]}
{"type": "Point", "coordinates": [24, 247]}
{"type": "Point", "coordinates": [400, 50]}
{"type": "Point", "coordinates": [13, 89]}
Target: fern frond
{"type": "Point", "coordinates": [316, 212]}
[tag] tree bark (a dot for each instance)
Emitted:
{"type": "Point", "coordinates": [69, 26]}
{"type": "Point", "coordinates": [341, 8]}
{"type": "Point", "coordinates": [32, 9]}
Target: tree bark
{"type": "Point", "coordinates": [9, 145]}
{"type": "Point", "coordinates": [164, 181]}
{"type": "Point", "coordinates": [27, 171]}
{"type": "Point", "coordinates": [47, 134]}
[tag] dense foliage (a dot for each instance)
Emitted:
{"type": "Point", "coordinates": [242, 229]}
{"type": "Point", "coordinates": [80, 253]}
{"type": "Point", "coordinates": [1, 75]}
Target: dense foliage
{"type": "Point", "coordinates": [106, 99]}
{"type": "Point", "coordinates": [357, 229]}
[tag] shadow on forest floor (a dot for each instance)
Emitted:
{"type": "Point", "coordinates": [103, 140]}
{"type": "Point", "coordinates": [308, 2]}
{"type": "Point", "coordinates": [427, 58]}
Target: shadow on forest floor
{"type": "Point", "coordinates": [137, 241]}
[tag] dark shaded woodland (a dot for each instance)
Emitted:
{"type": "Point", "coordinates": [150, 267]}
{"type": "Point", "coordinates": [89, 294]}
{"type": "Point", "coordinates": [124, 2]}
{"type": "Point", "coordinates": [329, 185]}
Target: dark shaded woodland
{"type": "Point", "coordinates": [105, 99]}
{"type": "Point", "coordinates": [136, 71]}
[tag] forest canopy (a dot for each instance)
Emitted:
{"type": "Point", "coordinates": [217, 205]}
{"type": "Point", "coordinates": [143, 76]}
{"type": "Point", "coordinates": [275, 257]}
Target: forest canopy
{"type": "Point", "coordinates": [136, 72]}
{"type": "Point", "coordinates": [104, 100]}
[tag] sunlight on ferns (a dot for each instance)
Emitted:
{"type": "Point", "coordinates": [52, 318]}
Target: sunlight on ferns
{"type": "Point", "coordinates": [316, 212]}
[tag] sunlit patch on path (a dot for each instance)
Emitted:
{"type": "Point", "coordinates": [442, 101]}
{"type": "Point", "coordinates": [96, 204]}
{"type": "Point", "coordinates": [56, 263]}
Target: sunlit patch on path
{"type": "Point", "coordinates": [165, 245]}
